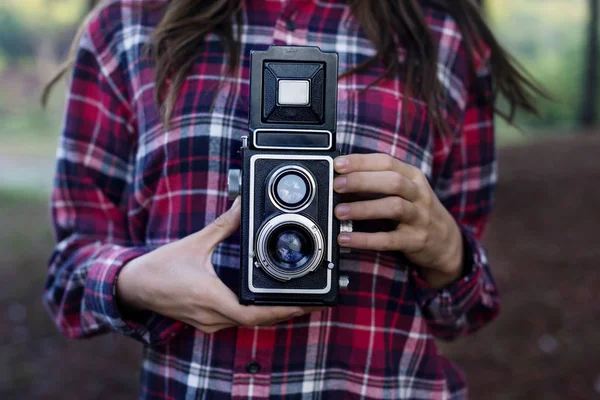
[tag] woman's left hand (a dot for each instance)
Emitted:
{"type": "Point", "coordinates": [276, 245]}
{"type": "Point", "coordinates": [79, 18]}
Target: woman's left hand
{"type": "Point", "coordinates": [426, 232]}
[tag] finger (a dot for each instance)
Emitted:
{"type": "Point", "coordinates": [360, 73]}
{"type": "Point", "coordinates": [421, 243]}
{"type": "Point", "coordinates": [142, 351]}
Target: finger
{"type": "Point", "coordinates": [267, 315]}
{"type": "Point", "coordinates": [308, 310]}
{"type": "Point", "coordinates": [384, 182]}
{"type": "Point", "coordinates": [378, 241]}
{"type": "Point", "coordinates": [228, 305]}
{"type": "Point", "coordinates": [373, 162]}
{"type": "Point", "coordinates": [406, 238]}
{"type": "Point", "coordinates": [211, 317]}
{"type": "Point", "coordinates": [221, 228]}
{"type": "Point", "coordinates": [213, 328]}
{"type": "Point", "coordinates": [206, 328]}
{"type": "Point", "coordinates": [305, 310]}
{"type": "Point", "coordinates": [223, 301]}
{"type": "Point", "coordinates": [277, 321]}
{"type": "Point", "coordinates": [392, 207]}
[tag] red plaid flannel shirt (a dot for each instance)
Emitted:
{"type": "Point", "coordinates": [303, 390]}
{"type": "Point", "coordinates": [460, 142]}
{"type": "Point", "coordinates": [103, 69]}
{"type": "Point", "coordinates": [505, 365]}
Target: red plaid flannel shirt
{"type": "Point", "coordinates": [125, 185]}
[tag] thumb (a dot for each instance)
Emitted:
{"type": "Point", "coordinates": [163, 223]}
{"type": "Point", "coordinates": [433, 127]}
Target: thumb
{"type": "Point", "coordinates": [222, 227]}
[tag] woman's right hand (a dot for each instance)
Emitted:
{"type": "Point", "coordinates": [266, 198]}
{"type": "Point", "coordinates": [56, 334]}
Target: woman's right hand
{"type": "Point", "coordinates": [178, 280]}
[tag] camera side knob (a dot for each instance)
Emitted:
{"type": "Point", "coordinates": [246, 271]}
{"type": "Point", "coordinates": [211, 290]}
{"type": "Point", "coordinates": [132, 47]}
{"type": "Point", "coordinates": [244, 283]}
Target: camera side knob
{"type": "Point", "coordinates": [234, 183]}
{"type": "Point", "coordinates": [344, 282]}
{"type": "Point", "coordinates": [345, 227]}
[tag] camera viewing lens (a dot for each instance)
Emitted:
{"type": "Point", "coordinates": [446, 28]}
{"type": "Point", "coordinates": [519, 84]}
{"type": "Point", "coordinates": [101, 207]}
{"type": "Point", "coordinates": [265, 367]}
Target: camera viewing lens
{"type": "Point", "coordinates": [291, 189]}
{"type": "Point", "coordinates": [290, 248]}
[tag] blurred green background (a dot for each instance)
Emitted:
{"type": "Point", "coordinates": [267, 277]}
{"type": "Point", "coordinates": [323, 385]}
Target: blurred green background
{"type": "Point", "coordinates": [543, 240]}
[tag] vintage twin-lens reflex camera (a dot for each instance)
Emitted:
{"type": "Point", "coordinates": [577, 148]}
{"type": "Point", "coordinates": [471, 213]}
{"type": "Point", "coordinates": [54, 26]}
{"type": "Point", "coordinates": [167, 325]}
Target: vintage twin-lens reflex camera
{"type": "Point", "coordinates": [289, 249]}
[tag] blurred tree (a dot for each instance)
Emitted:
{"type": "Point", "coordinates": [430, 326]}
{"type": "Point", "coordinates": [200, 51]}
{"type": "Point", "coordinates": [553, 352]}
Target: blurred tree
{"type": "Point", "coordinates": [589, 107]}
{"type": "Point", "coordinates": [43, 22]}
{"type": "Point", "coordinates": [46, 16]}
{"type": "Point", "coordinates": [16, 40]}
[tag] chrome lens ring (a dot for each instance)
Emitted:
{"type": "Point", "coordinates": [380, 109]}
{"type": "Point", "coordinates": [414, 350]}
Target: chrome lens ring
{"type": "Point", "coordinates": [301, 173]}
{"type": "Point", "coordinates": [292, 221]}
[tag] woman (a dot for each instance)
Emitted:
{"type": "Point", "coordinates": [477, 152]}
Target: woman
{"type": "Point", "coordinates": [147, 242]}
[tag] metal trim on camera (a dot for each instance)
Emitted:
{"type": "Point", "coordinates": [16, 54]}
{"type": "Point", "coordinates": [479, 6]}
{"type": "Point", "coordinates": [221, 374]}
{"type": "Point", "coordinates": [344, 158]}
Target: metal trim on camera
{"type": "Point", "coordinates": [328, 244]}
{"type": "Point", "coordinates": [277, 180]}
{"type": "Point", "coordinates": [265, 247]}
{"type": "Point", "coordinates": [308, 139]}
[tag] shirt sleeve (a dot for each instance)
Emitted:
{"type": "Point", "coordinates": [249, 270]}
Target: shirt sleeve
{"type": "Point", "coordinates": [91, 190]}
{"type": "Point", "coordinates": [466, 187]}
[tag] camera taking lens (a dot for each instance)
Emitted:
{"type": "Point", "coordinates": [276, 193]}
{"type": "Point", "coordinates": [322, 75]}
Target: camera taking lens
{"type": "Point", "coordinates": [289, 246]}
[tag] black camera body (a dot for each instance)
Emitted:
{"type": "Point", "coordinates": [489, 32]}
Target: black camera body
{"type": "Point", "coordinates": [289, 249]}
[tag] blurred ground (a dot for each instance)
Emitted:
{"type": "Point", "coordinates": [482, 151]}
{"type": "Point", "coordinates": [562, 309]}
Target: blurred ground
{"type": "Point", "coordinates": [35, 362]}
{"type": "Point", "coordinates": [544, 247]}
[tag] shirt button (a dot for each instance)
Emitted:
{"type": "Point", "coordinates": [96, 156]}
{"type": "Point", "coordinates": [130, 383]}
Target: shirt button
{"type": "Point", "coordinates": [290, 25]}
{"type": "Point", "coordinates": [253, 367]}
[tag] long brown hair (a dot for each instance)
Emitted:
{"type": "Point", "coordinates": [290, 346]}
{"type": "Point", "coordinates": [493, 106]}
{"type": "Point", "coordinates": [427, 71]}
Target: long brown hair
{"type": "Point", "coordinates": [389, 24]}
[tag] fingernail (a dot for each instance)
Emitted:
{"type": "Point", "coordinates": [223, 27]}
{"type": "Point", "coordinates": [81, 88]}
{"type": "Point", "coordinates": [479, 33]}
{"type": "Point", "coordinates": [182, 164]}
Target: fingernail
{"type": "Point", "coordinates": [340, 182]}
{"type": "Point", "coordinates": [341, 162]}
{"type": "Point", "coordinates": [296, 314]}
{"type": "Point", "coordinates": [344, 239]}
{"type": "Point", "coordinates": [237, 202]}
{"type": "Point", "coordinates": [342, 210]}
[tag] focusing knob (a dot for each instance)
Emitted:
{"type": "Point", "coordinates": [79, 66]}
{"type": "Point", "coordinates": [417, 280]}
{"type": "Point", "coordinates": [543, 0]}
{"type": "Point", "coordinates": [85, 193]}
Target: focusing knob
{"type": "Point", "coordinates": [234, 183]}
{"type": "Point", "coordinates": [345, 227]}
